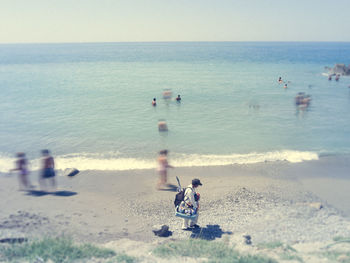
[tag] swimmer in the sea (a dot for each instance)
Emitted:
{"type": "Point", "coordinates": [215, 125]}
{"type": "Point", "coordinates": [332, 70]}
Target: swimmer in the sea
{"type": "Point", "coordinates": [154, 103]}
{"type": "Point", "coordinates": [167, 94]}
{"type": "Point", "coordinates": [162, 126]}
{"type": "Point", "coordinates": [285, 86]}
{"type": "Point", "coordinates": [178, 99]}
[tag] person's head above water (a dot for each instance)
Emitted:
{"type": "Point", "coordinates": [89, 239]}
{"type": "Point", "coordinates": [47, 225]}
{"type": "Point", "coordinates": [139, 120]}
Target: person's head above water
{"type": "Point", "coordinates": [154, 99]}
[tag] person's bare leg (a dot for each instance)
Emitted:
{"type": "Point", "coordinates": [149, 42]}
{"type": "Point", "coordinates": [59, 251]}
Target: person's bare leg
{"type": "Point", "coordinates": [162, 179]}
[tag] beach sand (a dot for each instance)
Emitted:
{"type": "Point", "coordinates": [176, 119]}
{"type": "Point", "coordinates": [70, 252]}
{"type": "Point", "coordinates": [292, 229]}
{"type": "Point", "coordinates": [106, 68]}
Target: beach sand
{"type": "Point", "coordinates": [268, 201]}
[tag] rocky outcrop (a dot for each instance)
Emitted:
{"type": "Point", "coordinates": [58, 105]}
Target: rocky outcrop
{"type": "Point", "coordinates": [340, 69]}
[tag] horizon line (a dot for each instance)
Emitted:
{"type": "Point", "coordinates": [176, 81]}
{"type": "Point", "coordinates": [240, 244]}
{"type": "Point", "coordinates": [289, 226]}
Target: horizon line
{"type": "Point", "coordinates": [179, 41]}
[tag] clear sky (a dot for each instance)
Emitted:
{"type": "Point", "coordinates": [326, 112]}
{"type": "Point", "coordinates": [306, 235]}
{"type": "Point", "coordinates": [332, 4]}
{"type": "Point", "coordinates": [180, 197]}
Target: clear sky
{"type": "Point", "coordinates": [173, 20]}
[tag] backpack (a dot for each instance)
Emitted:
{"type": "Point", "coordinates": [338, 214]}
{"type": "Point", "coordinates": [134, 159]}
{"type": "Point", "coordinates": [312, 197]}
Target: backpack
{"type": "Point", "coordinates": [179, 197]}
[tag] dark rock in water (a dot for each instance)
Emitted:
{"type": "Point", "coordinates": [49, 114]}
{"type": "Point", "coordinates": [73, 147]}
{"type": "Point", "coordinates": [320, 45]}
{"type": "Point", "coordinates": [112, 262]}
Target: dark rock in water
{"type": "Point", "coordinates": [13, 240]}
{"type": "Point", "coordinates": [72, 172]}
{"type": "Point", "coordinates": [340, 69]}
{"type": "Point", "coordinates": [248, 239]}
{"type": "Point", "coordinates": [163, 232]}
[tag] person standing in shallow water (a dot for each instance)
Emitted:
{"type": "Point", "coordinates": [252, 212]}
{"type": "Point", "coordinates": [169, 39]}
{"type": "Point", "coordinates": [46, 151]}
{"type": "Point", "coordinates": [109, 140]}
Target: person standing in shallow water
{"type": "Point", "coordinates": [154, 102]}
{"type": "Point", "coordinates": [163, 166]}
{"type": "Point", "coordinates": [48, 170]}
{"type": "Point", "coordinates": [23, 172]}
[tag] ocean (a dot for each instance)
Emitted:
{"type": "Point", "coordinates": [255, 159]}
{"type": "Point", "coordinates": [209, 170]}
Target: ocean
{"type": "Point", "coordinates": [90, 103]}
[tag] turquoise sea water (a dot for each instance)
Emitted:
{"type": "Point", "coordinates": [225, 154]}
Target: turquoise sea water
{"type": "Point", "coordinates": [90, 104]}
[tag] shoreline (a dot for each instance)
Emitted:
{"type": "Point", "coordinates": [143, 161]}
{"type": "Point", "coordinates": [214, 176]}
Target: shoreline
{"type": "Point", "coordinates": [118, 162]}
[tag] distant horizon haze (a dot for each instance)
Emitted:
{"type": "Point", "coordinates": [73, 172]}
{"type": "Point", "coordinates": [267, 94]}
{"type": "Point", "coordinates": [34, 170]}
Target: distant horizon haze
{"type": "Point", "coordinates": [92, 21]}
{"type": "Point", "coordinates": [155, 41]}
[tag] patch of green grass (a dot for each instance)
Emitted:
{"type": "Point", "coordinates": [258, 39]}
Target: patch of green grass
{"type": "Point", "coordinates": [276, 244]}
{"type": "Point", "coordinates": [334, 255]}
{"type": "Point", "coordinates": [123, 258]}
{"type": "Point", "coordinates": [214, 251]}
{"type": "Point", "coordinates": [59, 250]}
{"type": "Point", "coordinates": [243, 259]}
{"type": "Point", "coordinates": [341, 239]}
{"type": "Point", "coordinates": [288, 256]}
{"type": "Point", "coordinates": [270, 245]}
{"type": "Point", "coordinates": [289, 248]}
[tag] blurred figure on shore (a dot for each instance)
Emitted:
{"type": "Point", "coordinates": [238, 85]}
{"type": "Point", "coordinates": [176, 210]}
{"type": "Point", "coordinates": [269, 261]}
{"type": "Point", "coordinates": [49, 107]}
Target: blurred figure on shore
{"type": "Point", "coordinates": [48, 170]}
{"type": "Point", "coordinates": [163, 166]}
{"type": "Point", "coordinates": [178, 99]}
{"type": "Point", "coordinates": [154, 102]}
{"type": "Point", "coordinates": [190, 205]}
{"type": "Point", "coordinates": [162, 126]}
{"type": "Point", "coordinates": [23, 171]}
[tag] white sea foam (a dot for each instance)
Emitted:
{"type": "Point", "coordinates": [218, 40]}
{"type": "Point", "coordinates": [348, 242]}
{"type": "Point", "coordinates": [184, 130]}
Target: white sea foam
{"type": "Point", "coordinates": [250, 158]}
{"type": "Point", "coordinates": [100, 162]}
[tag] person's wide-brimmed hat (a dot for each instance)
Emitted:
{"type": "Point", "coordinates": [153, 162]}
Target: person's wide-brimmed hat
{"type": "Point", "coordinates": [196, 182]}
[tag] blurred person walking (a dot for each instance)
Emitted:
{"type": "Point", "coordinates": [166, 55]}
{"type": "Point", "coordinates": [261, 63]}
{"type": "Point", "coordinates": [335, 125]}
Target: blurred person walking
{"type": "Point", "coordinates": [23, 171]}
{"type": "Point", "coordinates": [163, 166]}
{"type": "Point", "coordinates": [48, 170]}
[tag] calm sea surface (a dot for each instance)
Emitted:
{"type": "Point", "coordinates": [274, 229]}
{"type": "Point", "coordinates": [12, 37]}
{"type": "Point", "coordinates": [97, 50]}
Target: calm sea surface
{"type": "Point", "coordinates": [90, 104]}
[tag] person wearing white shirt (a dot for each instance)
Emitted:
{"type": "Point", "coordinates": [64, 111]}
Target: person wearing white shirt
{"type": "Point", "coordinates": [190, 202]}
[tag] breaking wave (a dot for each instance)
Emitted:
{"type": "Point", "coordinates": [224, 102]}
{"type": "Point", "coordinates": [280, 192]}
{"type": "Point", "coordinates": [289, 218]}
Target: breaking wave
{"type": "Point", "coordinates": [117, 162]}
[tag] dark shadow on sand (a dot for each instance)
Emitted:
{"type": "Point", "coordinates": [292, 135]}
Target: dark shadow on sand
{"type": "Point", "coordinates": [39, 193]}
{"type": "Point", "coordinates": [13, 240]}
{"type": "Point", "coordinates": [208, 233]}
{"type": "Point", "coordinates": [169, 188]}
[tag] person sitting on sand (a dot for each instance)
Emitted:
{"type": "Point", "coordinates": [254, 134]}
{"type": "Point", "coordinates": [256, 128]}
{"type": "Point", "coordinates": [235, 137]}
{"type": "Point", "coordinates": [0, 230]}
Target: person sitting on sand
{"type": "Point", "coordinates": [154, 103]}
{"type": "Point", "coordinates": [48, 169]}
{"type": "Point", "coordinates": [22, 168]}
{"type": "Point", "coordinates": [163, 166]}
{"type": "Point", "coordinates": [190, 205]}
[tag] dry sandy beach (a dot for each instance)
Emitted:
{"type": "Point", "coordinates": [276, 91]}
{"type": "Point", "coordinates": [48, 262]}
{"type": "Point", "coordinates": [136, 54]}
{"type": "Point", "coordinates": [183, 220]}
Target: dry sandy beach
{"type": "Point", "coordinates": [119, 209]}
